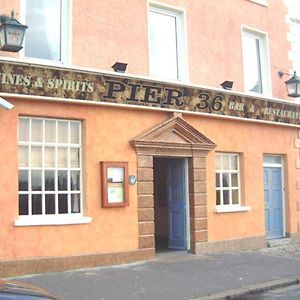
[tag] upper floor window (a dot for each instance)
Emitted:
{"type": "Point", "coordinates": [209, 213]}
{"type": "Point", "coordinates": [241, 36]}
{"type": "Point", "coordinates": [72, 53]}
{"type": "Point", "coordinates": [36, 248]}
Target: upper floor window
{"type": "Point", "coordinates": [256, 67]}
{"type": "Point", "coordinates": [167, 43]}
{"type": "Point", "coordinates": [48, 29]}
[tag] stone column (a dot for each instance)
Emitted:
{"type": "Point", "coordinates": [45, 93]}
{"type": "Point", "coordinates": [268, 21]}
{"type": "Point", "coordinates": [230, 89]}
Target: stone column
{"type": "Point", "coordinates": [198, 200]}
{"type": "Point", "coordinates": [145, 202]}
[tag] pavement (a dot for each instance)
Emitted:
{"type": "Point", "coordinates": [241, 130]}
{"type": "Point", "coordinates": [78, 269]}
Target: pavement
{"type": "Point", "coordinates": [180, 276]}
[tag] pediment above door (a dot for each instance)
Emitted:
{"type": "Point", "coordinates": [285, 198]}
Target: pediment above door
{"type": "Point", "coordinates": [175, 137]}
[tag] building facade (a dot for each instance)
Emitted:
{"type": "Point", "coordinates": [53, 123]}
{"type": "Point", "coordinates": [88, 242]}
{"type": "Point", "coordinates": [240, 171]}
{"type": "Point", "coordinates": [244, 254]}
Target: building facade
{"type": "Point", "coordinates": [101, 167]}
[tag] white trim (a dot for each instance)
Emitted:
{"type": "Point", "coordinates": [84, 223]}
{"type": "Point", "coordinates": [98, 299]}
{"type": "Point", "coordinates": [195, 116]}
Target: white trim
{"type": "Point", "coordinates": [231, 208]}
{"type": "Point", "coordinates": [51, 220]}
{"type": "Point", "coordinates": [220, 172]}
{"type": "Point", "coordinates": [66, 36]}
{"type": "Point", "coordinates": [43, 217]}
{"type": "Point", "coordinates": [181, 34]}
{"type": "Point", "coordinates": [263, 39]}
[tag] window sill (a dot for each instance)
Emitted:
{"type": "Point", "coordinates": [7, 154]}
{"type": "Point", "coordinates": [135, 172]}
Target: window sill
{"type": "Point", "coordinates": [51, 220]}
{"type": "Point", "coordinates": [232, 208]}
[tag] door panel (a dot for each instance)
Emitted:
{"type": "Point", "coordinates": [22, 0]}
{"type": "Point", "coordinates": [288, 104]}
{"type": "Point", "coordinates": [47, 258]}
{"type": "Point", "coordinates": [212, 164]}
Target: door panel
{"type": "Point", "coordinates": [176, 204]}
{"type": "Point", "coordinates": [273, 202]}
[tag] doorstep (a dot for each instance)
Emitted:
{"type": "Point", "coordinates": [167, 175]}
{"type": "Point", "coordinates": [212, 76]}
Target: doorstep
{"type": "Point", "coordinates": [279, 242]}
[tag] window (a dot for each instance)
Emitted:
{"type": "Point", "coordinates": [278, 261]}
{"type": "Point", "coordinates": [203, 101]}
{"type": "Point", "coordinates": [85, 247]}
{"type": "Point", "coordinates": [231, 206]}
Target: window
{"type": "Point", "coordinates": [256, 70]}
{"type": "Point", "coordinates": [49, 170]}
{"type": "Point", "coordinates": [48, 29]}
{"type": "Point", "coordinates": [227, 179]}
{"type": "Point", "coordinates": [166, 44]}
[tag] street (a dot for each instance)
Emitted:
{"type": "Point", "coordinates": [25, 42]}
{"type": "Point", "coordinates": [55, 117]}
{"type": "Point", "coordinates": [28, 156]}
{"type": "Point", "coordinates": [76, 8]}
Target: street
{"type": "Point", "coordinates": [177, 275]}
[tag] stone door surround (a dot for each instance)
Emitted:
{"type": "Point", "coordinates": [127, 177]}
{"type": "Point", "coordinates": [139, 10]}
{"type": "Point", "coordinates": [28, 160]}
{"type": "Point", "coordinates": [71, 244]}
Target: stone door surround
{"type": "Point", "coordinates": [173, 138]}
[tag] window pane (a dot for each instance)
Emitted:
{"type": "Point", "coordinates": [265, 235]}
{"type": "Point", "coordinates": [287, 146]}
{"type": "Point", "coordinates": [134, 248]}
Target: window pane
{"type": "Point", "coordinates": [74, 157]}
{"type": "Point", "coordinates": [50, 204]}
{"type": "Point", "coordinates": [235, 197]}
{"type": "Point", "coordinates": [218, 198]}
{"type": "Point", "coordinates": [23, 130]}
{"type": "Point", "coordinates": [234, 162]}
{"type": "Point", "coordinates": [36, 202]}
{"type": "Point", "coordinates": [36, 156]}
{"type": "Point", "coordinates": [23, 180]}
{"type": "Point", "coordinates": [75, 181]}
{"type": "Point", "coordinates": [225, 162]}
{"type": "Point", "coordinates": [62, 180]}
{"type": "Point", "coordinates": [36, 130]}
{"type": "Point", "coordinates": [63, 204]}
{"type": "Point", "coordinates": [163, 45]}
{"type": "Point", "coordinates": [62, 157]}
{"type": "Point", "coordinates": [217, 180]}
{"type": "Point", "coordinates": [36, 180]}
{"type": "Point", "coordinates": [75, 203]}
{"type": "Point", "coordinates": [49, 180]}
{"type": "Point", "coordinates": [43, 38]}
{"type": "Point", "coordinates": [74, 133]}
{"type": "Point", "coordinates": [252, 64]}
{"type": "Point", "coordinates": [225, 197]}
{"type": "Point", "coordinates": [225, 178]}
{"type": "Point", "coordinates": [272, 159]}
{"type": "Point", "coordinates": [23, 205]}
{"type": "Point", "coordinates": [234, 180]}
{"type": "Point", "coordinates": [218, 162]}
{"type": "Point", "coordinates": [49, 157]}
{"type": "Point", "coordinates": [23, 156]}
{"type": "Point", "coordinates": [63, 129]}
{"type": "Point", "coordinates": [50, 131]}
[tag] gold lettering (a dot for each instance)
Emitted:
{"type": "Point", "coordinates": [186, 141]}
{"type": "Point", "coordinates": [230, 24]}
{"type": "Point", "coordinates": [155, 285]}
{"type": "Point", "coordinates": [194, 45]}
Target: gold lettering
{"type": "Point", "coordinates": [39, 82]}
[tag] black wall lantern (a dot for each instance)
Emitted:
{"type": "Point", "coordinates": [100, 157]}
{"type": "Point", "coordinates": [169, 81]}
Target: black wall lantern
{"type": "Point", "coordinates": [292, 85]}
{"type": "Point", "coordinates": [11, 33]}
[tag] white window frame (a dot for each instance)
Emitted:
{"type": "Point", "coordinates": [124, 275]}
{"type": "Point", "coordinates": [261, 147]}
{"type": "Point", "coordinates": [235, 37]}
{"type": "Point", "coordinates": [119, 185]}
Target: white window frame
{"type": "Point", "coordinates": [180, 15]}
{"type": "Point", "coordinates": [57, 218]}
{"type": "Point", "coordinates": [262, 37]}
{"type": "Point", "coordinates": [66, 36]}
{"type": "Point", "coordinates": [221, 208]}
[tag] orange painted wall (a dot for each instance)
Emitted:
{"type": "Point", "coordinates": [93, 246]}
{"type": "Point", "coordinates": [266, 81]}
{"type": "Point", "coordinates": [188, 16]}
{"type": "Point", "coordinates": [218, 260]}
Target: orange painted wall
{"type": "Point", "coordinates": [112, 229]}
{"type": "Point", "coordinates": [104, 32]}
{"type": "Point", "coordinates": [107, 132]}
{"type": "Point", "coordinates": [252, 141]}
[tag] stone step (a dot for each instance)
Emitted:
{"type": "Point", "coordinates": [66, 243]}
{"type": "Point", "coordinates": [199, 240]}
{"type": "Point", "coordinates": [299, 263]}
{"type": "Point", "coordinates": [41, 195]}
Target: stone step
{"type": "Point", "coordinates": [279, 242]}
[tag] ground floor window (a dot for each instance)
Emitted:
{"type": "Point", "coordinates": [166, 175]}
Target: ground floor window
{"type": "Point", "coordinates": [50, 182]}
{"type": "Point", "coordinates": [227, 179]}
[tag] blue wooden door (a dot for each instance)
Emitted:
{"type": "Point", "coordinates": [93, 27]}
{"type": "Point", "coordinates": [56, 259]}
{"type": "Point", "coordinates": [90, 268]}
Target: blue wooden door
{"type": "Point", "coordinates": [273, 202]}
{"type": "Point", "coordinates": [176, 204]}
